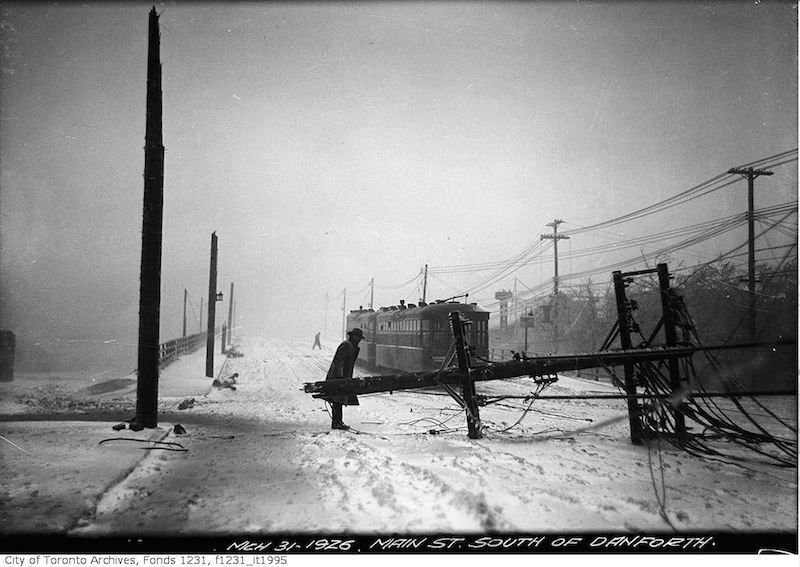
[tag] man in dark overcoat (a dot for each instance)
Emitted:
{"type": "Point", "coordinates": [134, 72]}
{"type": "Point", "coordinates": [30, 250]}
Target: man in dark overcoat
{"type": "Point", "coordinates": [342, 367]}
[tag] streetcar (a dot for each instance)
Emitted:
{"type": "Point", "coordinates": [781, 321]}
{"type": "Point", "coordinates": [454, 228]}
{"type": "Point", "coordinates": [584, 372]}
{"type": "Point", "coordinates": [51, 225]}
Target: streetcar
{"type": "Point", "coordinates": [416, 338]}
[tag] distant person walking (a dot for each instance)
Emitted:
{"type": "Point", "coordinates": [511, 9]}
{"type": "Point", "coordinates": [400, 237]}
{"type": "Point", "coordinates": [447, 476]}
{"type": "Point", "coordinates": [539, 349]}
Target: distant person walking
{"type": "Point", "coordinates": [316, 342]}
{"type": "Point", "coordinates": [342, 367]}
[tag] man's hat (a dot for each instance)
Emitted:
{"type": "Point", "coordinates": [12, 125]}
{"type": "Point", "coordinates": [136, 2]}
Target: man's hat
{"type": "Point", "coordinates": [356, 332]}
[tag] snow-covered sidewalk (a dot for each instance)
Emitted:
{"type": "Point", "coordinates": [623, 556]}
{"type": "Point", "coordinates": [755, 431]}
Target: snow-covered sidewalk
{"type": "Point", "coordinates": [262, 459]}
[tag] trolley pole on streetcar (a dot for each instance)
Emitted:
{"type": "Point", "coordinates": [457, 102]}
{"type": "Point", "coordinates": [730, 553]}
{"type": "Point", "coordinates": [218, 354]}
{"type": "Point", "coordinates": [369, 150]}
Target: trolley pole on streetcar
{"type": "Point", "coordinates": [425, 285]}
{"type": "Point", "coordinates": [457, 323]}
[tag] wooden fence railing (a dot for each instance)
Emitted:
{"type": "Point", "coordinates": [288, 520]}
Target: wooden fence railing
{"type": "Point", "coordinates": [171, 350]}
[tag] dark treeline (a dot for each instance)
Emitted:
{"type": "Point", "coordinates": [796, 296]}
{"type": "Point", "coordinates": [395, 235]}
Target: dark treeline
{"type": "Point", "coordinates": [715, 298]}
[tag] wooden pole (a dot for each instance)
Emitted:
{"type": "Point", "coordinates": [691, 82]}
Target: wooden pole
{"type": "Point", "coordinates": [750, 174]}
{"type": "Point", "coordinates": [457, 324]}
{"type": "Point", "coordinates": [623, 319]}
{"type": "Point", "coordinates": [152, 221]}
{"type": "Point", "coordinates": [212, 304]}
{"type": "Point", "coordinates": [671, 339]}
{"type": "Point", "coordinates": [529, 366]}
{"type": "Point", "coordinates": [185, 296]}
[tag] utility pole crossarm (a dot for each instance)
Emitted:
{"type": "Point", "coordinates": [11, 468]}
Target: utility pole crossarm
{"type": "Point", "coordinates": [749, 171]}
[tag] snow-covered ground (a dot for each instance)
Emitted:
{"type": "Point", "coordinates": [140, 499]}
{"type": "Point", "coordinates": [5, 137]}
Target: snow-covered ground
{"type": "Point", "coordinates": [262, 459]}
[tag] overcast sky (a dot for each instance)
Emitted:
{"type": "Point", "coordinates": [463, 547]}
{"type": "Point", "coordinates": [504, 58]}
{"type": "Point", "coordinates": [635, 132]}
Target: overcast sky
{"type": "Point", "coordinates": [328, 144]}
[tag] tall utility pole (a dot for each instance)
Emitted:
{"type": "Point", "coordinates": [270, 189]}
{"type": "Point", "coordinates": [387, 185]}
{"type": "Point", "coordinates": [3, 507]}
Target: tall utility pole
{"type": "Point", "coordinates": [230, 316]}
{"type": "Point", "coordinates": [555, 237]}
{"type": "Point", "coordinates": [201, 316]}
{"type": "Point", "coordinates": [668, 308]}
{"type": "Point", "coordinates": [750, 174]}
{"type": "Point", "coordinates": [623, 320]}
{"type": "Point", "coordinates": [212, 304]}
{"type": "Point", "coordinates": [152, 222]}
{"type": "Point", "coordinates": [425, 285]}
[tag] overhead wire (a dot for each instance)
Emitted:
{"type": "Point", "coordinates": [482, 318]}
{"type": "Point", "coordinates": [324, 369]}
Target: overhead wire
{"type": "Point", "coordinates": [694, 192]}
{"type": "Point", "coordinates": [535, 250]}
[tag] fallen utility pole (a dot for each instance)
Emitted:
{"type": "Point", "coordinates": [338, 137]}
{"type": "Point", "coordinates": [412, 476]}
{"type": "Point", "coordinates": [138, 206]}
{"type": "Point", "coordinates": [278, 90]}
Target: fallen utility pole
{"type": "Point", "coordinates": [529, 366]}
{"type": "Point", "coordinates": [485, 400]}
{"type": "Point", "coordinates": [634, 361]}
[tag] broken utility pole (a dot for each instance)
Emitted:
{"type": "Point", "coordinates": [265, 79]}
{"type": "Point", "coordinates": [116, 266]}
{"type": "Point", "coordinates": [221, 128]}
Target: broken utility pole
{"type": "Point", "coordinates": [669, 300]}
{"type": "Point", "coordinates": [632, 359]}
{"type": "Point", "coordinates": [152, 221]}
{"type": "Point", "coordinates": [624, 308]}
{"type": "Point", "coordinates": [527, 366]}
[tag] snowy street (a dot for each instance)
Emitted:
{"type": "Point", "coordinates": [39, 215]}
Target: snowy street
{"type": "Point", "coordinates": [262, 459]}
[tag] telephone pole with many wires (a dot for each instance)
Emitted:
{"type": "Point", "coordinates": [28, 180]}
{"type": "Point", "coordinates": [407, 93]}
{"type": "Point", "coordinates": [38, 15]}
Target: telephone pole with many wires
{"type": "Point", "coordinates": [750, 174]}
{"type": "Point", "coordinates": [555, 237]}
